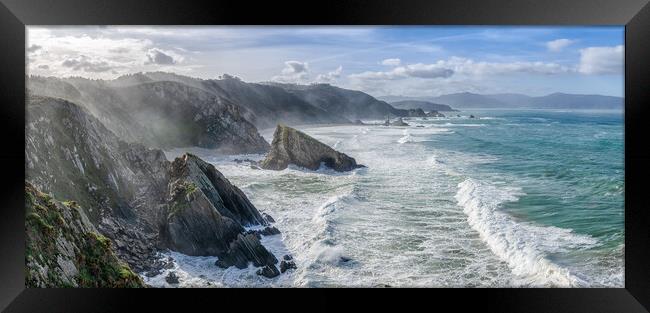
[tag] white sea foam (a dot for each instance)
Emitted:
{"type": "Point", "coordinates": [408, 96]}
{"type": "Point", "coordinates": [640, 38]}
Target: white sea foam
{"type": "Point", "coordinates": [524, 246]}
{"type": "Point", "coordinates": [406, 138]}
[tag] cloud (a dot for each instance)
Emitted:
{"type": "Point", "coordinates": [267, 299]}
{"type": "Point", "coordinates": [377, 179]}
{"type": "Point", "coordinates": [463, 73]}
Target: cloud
{"type": "Point", "coordinates": [119, 50]}
{"type": "Point", "coordinates": [601, 60]}
{"type": "Point", "coordinates": [391, 62]}
{"type": "Point", "coordinates": [330, 77]}
{"type": "Point", "coordinates": [86, 64]}
{"type": "Point", "coordinates": [33, 48]}
{"type": "Point", "coordinates": [293, 72]}
{"type": "Point", "coordinates": [418, 70]}
{"type": "Point", "coordinates": [295, 67]}
{"type": "Point", "coordinates": [462, 66]}
{"type": "Point", "coordinates": [157, 56]}
{"type": "Point", "coordinates": [558, 44]}
{"type": "Point", "coordinates": [471, 67]}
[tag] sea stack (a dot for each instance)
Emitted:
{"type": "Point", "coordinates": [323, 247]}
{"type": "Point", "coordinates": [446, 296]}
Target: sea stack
{"type": "Point", "coordinates": [291, 146]}
{"type": "Point", "coordinates": [399, 122]}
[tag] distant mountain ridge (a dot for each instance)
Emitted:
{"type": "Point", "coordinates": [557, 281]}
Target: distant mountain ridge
{"type": "Point", "coordinates": [468, 100]}
{"type": "Point", "coordinates": [424, 105]}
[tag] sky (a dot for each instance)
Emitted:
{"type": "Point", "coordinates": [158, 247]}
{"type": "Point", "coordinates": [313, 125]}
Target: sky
{"type": "Point", "coordinates": [414, 61]}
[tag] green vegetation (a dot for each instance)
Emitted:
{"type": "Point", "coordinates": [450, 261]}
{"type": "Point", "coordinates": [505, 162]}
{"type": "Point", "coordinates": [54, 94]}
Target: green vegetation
{"type": "Point", "coordinates": [98, 266]}
{"type": "Point", "coordinates": [183, 191]}
{"type": "Point", "coordinates": [94, 257]}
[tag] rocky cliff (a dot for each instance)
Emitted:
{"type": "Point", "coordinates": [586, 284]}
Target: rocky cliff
{"type": "Point", "coordinates": [351, 104]}
{"type": "Point", "coordinates": [169, 110]}
{"type": "Point", "coordinates": [132, 194]}
{"type": "Point", "coordinates": [161, 114]}
{"type": "Point", "coordinates": [63, 249]}
{"type": "Point", "coordinates": [291, 146]}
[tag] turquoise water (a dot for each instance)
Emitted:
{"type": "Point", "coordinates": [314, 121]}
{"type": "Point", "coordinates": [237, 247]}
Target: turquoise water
{"type": "Point", "coordinates": [569, 169]}
{"type": "Point", "coordinates": [507, 199]}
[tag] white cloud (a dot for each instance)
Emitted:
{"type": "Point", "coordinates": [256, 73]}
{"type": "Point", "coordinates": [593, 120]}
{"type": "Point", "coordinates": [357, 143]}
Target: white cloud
{"type": "Point", "coordinates": [471, 67]}
{"type": "Point", "coordinates": [391, 62]}
{"type": "Point", "coordinates": [293, 72]}
{"type": "Point", "coordinates": [295, 67]}
{"type": "Point", "coordinates": [58, 53]}
{"type": "Point", "coordinates": [601, 60]}
{"type": "Point", "coordinates": [330, 77]}
{"type": "Point", "coordinates": [418, 70]}
{"type": "Point", "coordinates": [86, 64]}
{"type": "Point", "coordinates": [558, 44]}
{"type": "Point", "coordinates": [157, 56]}
{"type": "Point", "coordinates": [462, 66]}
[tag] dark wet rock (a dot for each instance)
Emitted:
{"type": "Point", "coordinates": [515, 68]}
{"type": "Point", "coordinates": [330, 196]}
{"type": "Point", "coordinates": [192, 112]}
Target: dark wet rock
{"type": "Point", "coordinates": [153, 273]}
{"type": "Point", "coordinates": [239, 161]}
{"type": "Point", "coordinates": [171, 278]}
{"type": "Point", "coordinates": [287, 265]}
{"type": "Point", "coordinates": [472, 116]}
{"type": "Point", "coordinates": [287, 257]}
{"type": "Point", "coordinates": [399, 122]}
{"type": "Point", "coordinates": [246, 248]}
{"type": "Point", "coordinates": [268, 218]}
{"type": "Point", "coordinates": [291, 146]}
{"type": "Point", "coordinates": [268, 271]}
{"type": "Point", "coordinates": [345, 259]}
{"type": "Point", "coordinates": [266, 231]}
{"type": "Point", "coordinates": [416, 113]}
{"type": "Point", "coordinates": [269, 231]}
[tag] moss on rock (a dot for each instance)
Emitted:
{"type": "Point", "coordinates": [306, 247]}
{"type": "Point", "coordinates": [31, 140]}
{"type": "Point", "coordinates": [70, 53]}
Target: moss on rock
{"type": "Point", "coordinates": [64, 250]}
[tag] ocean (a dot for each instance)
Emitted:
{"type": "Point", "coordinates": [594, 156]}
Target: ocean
{"type": "Point", "coordinates": [511, 198]}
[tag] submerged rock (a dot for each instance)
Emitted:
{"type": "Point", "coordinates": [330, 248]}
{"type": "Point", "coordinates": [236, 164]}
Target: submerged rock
{"type": "Point", "coordinates": [287, 265]}
{"type": "Point", "coordinates": [399, 122]}
{"type": "Point", "coordinates": [268, 271]}
{"type": "Point", "coordinates": [291, 146]}
{"type": "Point", "coordinates": [171, 278]}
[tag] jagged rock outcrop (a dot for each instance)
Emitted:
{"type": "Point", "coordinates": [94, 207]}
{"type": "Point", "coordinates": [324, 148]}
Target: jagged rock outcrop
{"type": "Point", "coordinates": [63, 248]}
{"type": "Point", "coordinates": [291, 146]}
{"type": "Point", "coordinates": [245, 249]}
{"type": "Point", "coordinates": [206, 215]}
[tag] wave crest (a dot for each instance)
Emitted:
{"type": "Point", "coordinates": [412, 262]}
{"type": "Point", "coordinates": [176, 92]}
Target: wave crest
{"type": "Point", "coordinates": [524, 246]}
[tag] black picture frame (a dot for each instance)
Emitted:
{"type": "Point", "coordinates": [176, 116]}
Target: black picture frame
{"type": "Point", "coordinates": [634, 14]}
